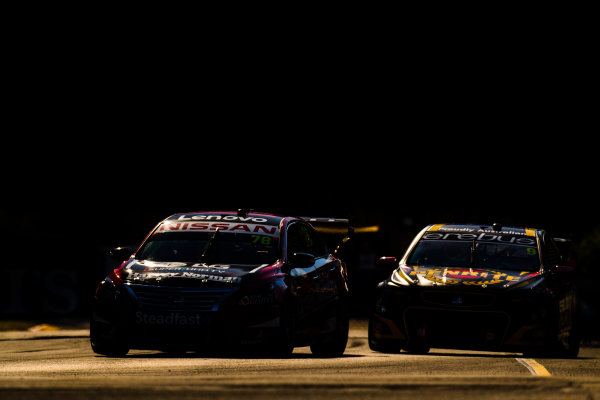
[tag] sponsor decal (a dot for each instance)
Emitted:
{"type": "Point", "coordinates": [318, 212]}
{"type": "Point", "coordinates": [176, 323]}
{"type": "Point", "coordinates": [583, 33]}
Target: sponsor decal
{"type": "Point", "coordinates": [173, 318]}
{"type": "Point", "coordinates": [495, 237]}
{"type": "Point", "coordinates": [455, 276]}
{"type": "Point", "coordinates": [184, 274]}
{"type": "Point", "coordinates": [151, 270]}
{"type": "Point", "coordinates": [171, 226]}
{"type": "Point", "coordinates": [149, 265]}
{"type": "Point", "coordinates": [475, 229]}
{"type": "Point", "coordinates": [212, 217]}
{"type": "Point", "coordinates": [257, 299]}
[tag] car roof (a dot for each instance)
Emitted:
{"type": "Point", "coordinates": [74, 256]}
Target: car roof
{"type": "Point", "coordinates": [475, 228]}
{"type": "Point", "coordinates": [228, 216]}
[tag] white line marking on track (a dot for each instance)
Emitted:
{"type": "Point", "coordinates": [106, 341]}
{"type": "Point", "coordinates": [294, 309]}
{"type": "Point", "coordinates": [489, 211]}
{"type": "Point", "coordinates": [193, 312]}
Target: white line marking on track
{"type": "Point", "coordinates": [534, 367]}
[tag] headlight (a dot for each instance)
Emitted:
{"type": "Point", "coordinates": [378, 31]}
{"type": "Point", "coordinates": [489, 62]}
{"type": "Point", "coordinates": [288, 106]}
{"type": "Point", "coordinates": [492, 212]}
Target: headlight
{"type": "Point", "coordinates": [106, 291]}
{"type": "Point", "coordinates": [399, 277]}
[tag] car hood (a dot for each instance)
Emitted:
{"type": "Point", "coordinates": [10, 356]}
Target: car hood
{"type": "Point", "coordinates": [460, 276]}
{"type": "Point", "coordinates": [136, 271]}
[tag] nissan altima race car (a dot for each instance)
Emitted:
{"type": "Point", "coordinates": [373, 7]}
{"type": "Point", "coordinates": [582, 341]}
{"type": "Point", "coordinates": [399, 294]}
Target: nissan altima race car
{"type": "Point", "coordinates": [477, 287]}
{"type": "Point", "coordinates": [224, 280]}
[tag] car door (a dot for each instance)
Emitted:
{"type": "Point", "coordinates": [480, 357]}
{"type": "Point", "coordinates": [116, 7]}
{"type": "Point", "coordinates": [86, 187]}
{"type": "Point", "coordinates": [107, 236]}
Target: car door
{"type": "Point", "coordinates": [310, 270]}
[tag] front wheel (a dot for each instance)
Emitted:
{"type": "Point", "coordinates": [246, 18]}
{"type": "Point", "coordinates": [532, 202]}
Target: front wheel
{"type": "Point", "coordinates": [559, 348]}
{"type": "Point", "coordinates": [105, 340]}
{"type": "Point", "coordinates": [334, 344]}
{"type": "Point", "coordinates": [417, 348]}
{"type": "Point", "coordinates": [382, 346]}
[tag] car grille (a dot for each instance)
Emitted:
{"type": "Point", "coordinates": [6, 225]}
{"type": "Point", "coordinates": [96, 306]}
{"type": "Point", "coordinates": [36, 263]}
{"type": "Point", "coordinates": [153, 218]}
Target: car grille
{"type": "Point", "coordinates": [462, 328]}
{"type": "Point", "coordinates": [153, 298]}
{"type": "Point", "coordinates": [458, 299]}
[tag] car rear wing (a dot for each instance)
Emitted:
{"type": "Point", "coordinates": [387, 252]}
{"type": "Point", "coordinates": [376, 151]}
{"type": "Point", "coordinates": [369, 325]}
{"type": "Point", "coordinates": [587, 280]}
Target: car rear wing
{"type": "Point", "coordinates": [330, 225]}
{"type": "Point", "coordinates": [339, 226]}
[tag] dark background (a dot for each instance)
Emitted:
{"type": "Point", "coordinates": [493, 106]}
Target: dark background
{"type": "Point", "coordinates": [87, 195]}
{"type": "Point", "coordinates": [109, 130]}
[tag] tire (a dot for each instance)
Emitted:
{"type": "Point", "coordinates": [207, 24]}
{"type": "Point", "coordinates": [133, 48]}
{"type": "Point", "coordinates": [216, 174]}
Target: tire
{"type": "Point", "coordinates": [382, 346]}
{"type": "Point", "coordinates": [558, 348]}
{"type": "Point", "coordinates": [385, 347]}
{"type": "Point", "coordinates": [335, 344]}
{"type": "Point", "coordinates": [417, 348]}
{"type": "Point", "coordinates": [104, 340]}
{"type": "Point", "coordinates": [280, 350]}
{"type": "Point", "coordinates": [283, 346]}
{"type": "Point", "coordinates": [570, 349]}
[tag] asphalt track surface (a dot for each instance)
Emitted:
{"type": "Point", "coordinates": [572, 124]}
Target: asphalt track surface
{"type": "Point", "coordinates": [60, 364]}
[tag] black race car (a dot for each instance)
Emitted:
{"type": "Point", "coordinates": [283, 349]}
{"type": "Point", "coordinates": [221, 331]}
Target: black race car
{"type": "Point", "coordinates": [227, 281]}
{"type": "Point", "coordinates": [477, 287]}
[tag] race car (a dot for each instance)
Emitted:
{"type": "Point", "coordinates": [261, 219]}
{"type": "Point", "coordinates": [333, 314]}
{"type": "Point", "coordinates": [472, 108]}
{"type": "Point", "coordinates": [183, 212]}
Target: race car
{"type": "Point", "coordinates": [231, 281]}
{"type": "Point", "coordinates": [477, 287]}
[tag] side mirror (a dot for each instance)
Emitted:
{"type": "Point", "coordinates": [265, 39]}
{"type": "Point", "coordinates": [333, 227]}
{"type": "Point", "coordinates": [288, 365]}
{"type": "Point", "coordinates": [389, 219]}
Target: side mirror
{"type": "Point", "coordinates": [301, 260]}
{"type": "Point", "coordinates": [120, 253]}
{"type": "Point", "coordinates": [387, 263]}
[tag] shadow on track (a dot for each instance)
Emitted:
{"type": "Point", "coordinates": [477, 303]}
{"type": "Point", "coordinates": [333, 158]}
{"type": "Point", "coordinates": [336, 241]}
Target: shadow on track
{"type": "Point", "coordinates": [487, 355]}
{"type": "Point", "coordinates": [227, 354]}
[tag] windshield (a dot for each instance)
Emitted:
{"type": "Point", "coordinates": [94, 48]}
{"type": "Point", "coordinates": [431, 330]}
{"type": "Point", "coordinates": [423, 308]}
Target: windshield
{"type": "Point", "coordinates": [472, 254]}
{"type": "Point", "coordinates": [210, 248]}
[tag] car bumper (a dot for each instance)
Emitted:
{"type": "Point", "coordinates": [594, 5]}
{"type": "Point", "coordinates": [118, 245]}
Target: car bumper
{"type": "Point", "coordinates": [148, 318]}
{"type": "Point", "coordinates": [493, 321]}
